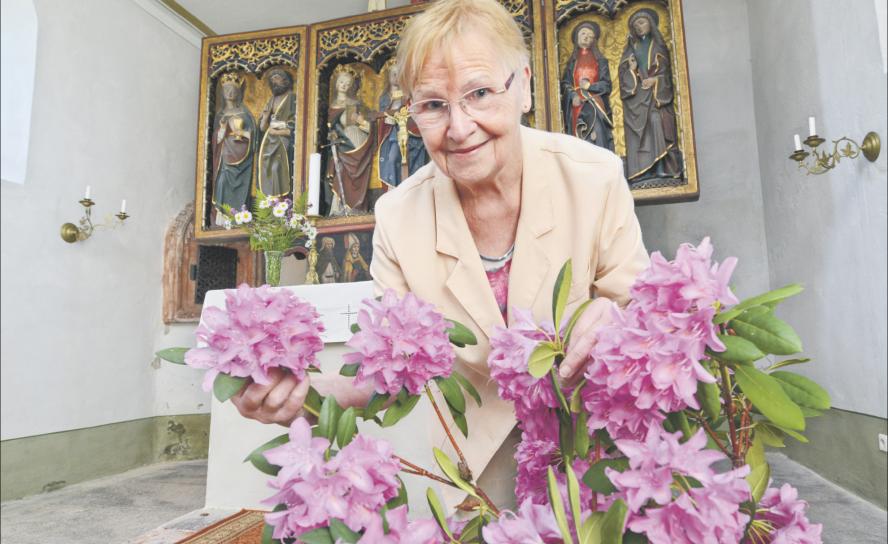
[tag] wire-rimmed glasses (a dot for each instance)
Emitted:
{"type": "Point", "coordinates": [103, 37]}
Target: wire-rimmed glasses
{"type": "Point", "coordinates": [476, 103]}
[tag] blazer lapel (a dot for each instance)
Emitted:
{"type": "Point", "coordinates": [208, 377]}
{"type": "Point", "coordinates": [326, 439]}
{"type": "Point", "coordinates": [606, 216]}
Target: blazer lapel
{"type": "Point", "coordinates": [530, 262]}
{"type": "Point", "coordinates": [467, 280]}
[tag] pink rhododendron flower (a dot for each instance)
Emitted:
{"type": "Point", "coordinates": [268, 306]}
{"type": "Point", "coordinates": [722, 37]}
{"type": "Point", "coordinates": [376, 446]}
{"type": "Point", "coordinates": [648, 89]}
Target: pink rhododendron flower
{"type": "Point", "coordinates": [786, 514]}
{"type": "Point", "coordinates": [403, 342]}
{"type": "Point", "coordinates": [402, 531]}
{"type": "Point", "coordinates": [510, 349]}
{"type": "Point", "coordinates": [259, 329]}
{"type": "Point", "coordinates": [352, 486]}
{"type": "Point", "coordinates": [647, 361]}
{"type": "Point", "coordinates": [710, 513]}
{"type": "Point", "coordinates": [533, 524]}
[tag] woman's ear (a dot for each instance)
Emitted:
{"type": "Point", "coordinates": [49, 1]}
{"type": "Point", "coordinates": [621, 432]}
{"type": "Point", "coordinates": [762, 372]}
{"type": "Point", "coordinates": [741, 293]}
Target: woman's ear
{"type": "Point", "coordinates": [527, 94]}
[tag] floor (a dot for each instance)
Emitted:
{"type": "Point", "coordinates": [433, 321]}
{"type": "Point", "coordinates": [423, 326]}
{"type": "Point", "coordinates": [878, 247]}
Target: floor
{"type": "Point", "coordinates": [161, 504]}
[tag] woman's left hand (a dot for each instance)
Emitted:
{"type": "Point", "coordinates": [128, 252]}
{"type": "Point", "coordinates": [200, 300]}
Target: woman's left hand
{"type": "Point", "coordinates": [582, 340]}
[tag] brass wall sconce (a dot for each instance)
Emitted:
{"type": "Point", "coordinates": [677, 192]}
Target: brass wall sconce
{"type": "Point", "coordinates": [843, 148]}
{"type": "Point", "coordinates": [72, 233]}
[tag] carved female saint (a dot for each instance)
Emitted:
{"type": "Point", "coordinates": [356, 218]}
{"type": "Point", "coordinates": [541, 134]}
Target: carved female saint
{"type": "Point", "coordinates": [586, 88]}
{"type": "Point", "coordinates": [648, 111]}
{"type": "Point", "coordinates": [234, 140]}
{"type": "Point", "coordinates": [352, 144]}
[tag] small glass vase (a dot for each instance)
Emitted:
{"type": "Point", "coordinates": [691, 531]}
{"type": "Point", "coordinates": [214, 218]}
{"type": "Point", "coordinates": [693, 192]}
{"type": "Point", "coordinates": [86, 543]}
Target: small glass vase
{"type": "Point", "coordinates": [273, 261]}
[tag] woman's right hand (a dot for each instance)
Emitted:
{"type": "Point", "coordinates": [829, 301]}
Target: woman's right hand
{"type": "Point", "coordinates": [280, 401]}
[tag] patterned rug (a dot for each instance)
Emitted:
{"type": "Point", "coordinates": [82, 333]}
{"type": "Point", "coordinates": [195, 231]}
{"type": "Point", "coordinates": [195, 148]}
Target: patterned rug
{"type": "Point", "coordinates": [245, 527]}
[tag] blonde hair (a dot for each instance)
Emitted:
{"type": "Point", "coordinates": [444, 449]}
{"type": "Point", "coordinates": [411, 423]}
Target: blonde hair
{"type": "Point", "coordinates": [445, 22]}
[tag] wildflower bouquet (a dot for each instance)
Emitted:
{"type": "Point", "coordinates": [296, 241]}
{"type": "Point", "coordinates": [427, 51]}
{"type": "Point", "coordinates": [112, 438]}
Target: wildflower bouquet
{"type": "Point", "coordinates": [274, 223]}
{"type": "Point", "coordinates": [662, 441]}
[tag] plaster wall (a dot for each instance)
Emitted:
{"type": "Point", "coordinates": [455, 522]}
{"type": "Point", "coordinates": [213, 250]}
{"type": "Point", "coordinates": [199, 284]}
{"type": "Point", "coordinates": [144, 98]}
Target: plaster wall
{"type": "Point", "coordinates": [729, 210]}
{"type": "Point", "coordinates": [829, 231]}
{"type": "Point", "coordinates": [115, 107]}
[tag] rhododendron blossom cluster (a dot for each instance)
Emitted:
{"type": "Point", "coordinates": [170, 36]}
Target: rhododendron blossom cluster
{"type": "Point", "coordinates": [403, 342]}
{"type": "Point", "coordinates": [785, 514]}
{"type": "Point", "coordinates": [258, 330]}
{"type": "Point", "coordinates": [670, 512]}
{"type": "Point", "coordinates": [352, 486]}
{"type": "Point", "coordinates": [647, 361]}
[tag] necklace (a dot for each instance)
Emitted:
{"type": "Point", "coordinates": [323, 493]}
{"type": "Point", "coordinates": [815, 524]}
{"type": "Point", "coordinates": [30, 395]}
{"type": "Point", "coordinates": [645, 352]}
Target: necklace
{"type": "Point", "coordinates": [499, 259]}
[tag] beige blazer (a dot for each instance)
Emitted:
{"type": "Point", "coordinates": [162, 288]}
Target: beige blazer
{"type": "Point", "coordinates": [575, 203]}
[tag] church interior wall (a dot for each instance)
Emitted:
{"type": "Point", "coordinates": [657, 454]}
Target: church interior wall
{"type": "Point", "coordinates": [115, 108]}
{"type": "Point", "coordinates": [828, 232]}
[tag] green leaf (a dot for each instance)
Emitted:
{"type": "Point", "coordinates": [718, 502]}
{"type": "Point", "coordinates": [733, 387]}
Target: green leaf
{"type": "Point", "coordinates": [795, 434]}
{"type": "Point", "coordinates": [558, 507]}
{"type": "Point", "coordinates": [787, 362]}
{"type": "Point", "coordinates": [347, 427]}
{"type": "Point", "coordinates": [803, 391]}
{"type": "Point", "coordinates": [767, 332]}
{"type": "Point", "coordinates": [595, 478]}
{"type": "Point", "coordinates": [755, 455]}
{"type": "Point", "coordinates": [565, 435]}
{"type": "Point", "coordinates": [573, 321]}
{"type": "Point", "coordinates": [329, 418]}
{"type": "Point", "coordinates": [758, 479]}
{"type": "Point", "coordinates": [810, 412]}
{"type": "Point", "coordinates": [590, 530]}
{"type": "Point", "coordinates": [313, 400]}
{"type": "Point", "coordinates": [399, 410]}
{"type": "Point", "coordinates": [452, 393]}
{"type": "Point", "coordinates": [581, 436]}
{"type": "Point", "coordinates": [320, 535]}
{"type": "Point", "coordinates": [438, 511]}
{"type": "Point", "coordinates": [680, 422]}
{"type": "Point", "coordinates": [472, 531]}
{"type": "Point", "coordinates": [561, 292]}
{"type": "Point", "coordinates": [452, 472]}
{"type": "Point", "coordinates": [355, 328]}
{"type": "Point", "coordinates": [738, 350]}
{"type": "Point", "coordinates": [258, 460]}
{"type": "Point", "coordinates": [375, 404]}
{"type": "Point", "coordinates": [267, 535]}
{"type": "Point", "coordinates": [541, 359]}
{"type": "Point", "coordinates": [401, 498]}
{"type": "Point", "coordinates": [460, 334]}
{"type": "Point", "coordinates": [771, 297]}
{"type": "Point", "coordinates": [461, 422]}
{"type": "Point", "coordinates": [173, 355]}
{"type": "Point", "coordinates": [613, 523]}
{"type": "Point", "coordinates": [467, 385]}
{"type": "Point", "coordinates": [576, 398]}
{"type": "Point", "coordinates": [341, 532]}
{"type": "Point", "coordinates": [225, 387]}
{"type": "Point", "coordinates": [573, 496]}
{"type": "Point", "coordinates": [350, 370]}
{"type": "Point", "coordinates": [767, 395]}
{"type": "Point", "coordinates": [769, 435]}
{"type": "Point", "coordinates": [709, 397]}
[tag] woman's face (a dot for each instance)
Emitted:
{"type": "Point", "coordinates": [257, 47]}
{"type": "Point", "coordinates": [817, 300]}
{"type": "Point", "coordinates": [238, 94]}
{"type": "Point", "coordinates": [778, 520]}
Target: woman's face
{"type": "Point", "coordinates": [344, 82]}
{"type": "Point", "coordinates": [231, 91]}
{"type": "Point", "coordinates": [473, 150]}
{"type": "Point", "coordinates": [585, 37]}
{"type": "Point", "coordinates": [642, 26]}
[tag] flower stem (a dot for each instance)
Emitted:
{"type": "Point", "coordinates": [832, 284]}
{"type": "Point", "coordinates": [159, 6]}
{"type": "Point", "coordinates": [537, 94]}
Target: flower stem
{"type": "Point", "coordinates": [713, 436]}
{"type": "Point", "coordinates": [419, 471]}
{"type": "Point", "coordinates": [727, 390]}
{"type": "Point", "coordinates": [459, 452]}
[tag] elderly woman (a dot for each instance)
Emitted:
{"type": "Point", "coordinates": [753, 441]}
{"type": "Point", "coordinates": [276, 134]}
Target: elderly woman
{"type": "Point", "coordinates": [486, 226]}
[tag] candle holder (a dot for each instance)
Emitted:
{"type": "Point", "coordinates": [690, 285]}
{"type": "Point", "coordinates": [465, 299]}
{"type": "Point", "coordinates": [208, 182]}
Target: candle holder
{"type": "Point", "coordinates": [843, 148]}
{"type": "Point", "coordinates": [72, 233]}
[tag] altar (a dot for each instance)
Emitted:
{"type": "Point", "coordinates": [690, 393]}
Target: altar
{"type": "Point", "coordinates": [234, 484]}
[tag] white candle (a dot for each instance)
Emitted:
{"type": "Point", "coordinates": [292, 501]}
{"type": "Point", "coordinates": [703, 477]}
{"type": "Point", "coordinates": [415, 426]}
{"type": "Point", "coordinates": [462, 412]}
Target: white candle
{"type": "Point", "coordinates": [123, 206]}
{"type": "Point", "coordinates": [314, 184]}
{"type": "Point", "coordinates": [811, 128]}
{"type": "Point", "coordinates": [86, 195]}
{"type": "Point", "coordinates": [798, 143]}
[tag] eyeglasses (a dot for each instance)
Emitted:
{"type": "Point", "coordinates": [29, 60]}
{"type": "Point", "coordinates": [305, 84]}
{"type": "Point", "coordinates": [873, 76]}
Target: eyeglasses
{"type": "Point", "coordinates": [434, 112]}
